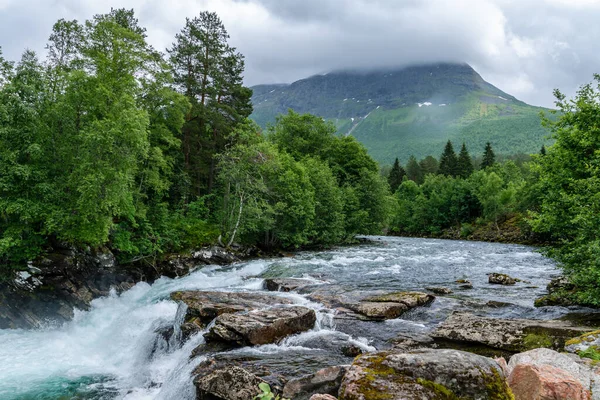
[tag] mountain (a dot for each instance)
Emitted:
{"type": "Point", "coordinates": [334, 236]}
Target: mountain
{"type": "Point", "coordinates": [411, 110]}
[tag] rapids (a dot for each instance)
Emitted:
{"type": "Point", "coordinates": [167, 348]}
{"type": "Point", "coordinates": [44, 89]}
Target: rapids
{"type": "Point", "coordinates": [113, 351]}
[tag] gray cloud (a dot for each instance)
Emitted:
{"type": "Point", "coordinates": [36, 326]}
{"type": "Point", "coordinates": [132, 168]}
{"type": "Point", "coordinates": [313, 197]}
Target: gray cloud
{"type": "Point", "coordinates": [525, 47]}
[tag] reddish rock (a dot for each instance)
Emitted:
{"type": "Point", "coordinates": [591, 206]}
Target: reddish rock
{"type": "Point", "coordinates": [544, 382]}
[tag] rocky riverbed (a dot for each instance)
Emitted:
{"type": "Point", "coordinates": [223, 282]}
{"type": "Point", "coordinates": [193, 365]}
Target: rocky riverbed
{"type": "Point", "coordinates": [394, 318]}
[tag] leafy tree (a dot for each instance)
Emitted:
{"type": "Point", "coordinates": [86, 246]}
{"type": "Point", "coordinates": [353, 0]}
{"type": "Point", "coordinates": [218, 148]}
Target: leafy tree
{"type": "Point", "coordinates": [429, 165]}
{"type": "Point", "coordinates": [448, 161]}
{"type": "Point", "coordinates": [328, 223]}
{"type": "Point", "coordinates": [489, 158]}
{"type": "Point", "coordinates": [414, 171]}
{"type": "Point", "coordinates": [464, 165]}
{"type": "Point", "coordinates": [569, 182]}
{"type": "Point", "coordinates": [396, 176]}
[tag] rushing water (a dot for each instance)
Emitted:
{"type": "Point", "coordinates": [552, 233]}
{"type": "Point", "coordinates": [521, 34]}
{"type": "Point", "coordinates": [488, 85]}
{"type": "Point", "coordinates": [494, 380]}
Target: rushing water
{"type": "Point", "coordinates": [112, 351]}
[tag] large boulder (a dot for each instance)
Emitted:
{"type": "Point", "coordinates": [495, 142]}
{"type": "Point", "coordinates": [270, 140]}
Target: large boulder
{"type": "Point", "coordinates": [227, 383]}
{"type": "Point", "coordinates": [424, 374]}
{"type": "Point", "coordinates": [509, 335]}
{"type": "Point", "coordinates": [544, 382]}
{"type": "Point", "coordinates": [261, 327]}
{"type": "Point", "coordinates": [374, 307]}
{"type": "Point", "coordinates": [325, 381]}
{"type": "Point", "coordinates": [585, 373]}
{"type": "Point", "coordinates": [204, 306]}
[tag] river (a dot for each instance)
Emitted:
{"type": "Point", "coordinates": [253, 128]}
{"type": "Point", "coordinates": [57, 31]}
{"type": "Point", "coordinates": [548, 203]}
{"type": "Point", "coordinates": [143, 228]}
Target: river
{"type": "Point", "coordinates": [112, 351]}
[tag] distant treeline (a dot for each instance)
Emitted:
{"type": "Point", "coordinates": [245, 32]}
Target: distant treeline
{"type": "Point", "coordinates": [433, 196]}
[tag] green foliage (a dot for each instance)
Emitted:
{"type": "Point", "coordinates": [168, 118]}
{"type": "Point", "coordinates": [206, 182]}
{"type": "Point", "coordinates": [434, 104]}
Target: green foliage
{"type": "Point", "coordinates": [266, 393]}
{"type": "Point", "coordinates": [429, 165]}
{"type": "Point", "coordinates": [208, 71]}
{"type": "Point", "coordinates": [303, 186]}
{"type": "Point", "coordinates": [414, 171]}
{"type": "Point", "coordinates": [90, 145]}
{"type": "Point", "coordinates": [569, 187]}
{"type": "Point", "coordinates": [443, 202]}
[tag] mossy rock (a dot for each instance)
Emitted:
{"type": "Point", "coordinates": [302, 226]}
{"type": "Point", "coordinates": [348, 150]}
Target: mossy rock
{"type": "Point", "coordinates": [586, 345]}
{"type": "Point", "coordinates": [431, 374]}
{"type": "Point", "coordinates": [487, 336]}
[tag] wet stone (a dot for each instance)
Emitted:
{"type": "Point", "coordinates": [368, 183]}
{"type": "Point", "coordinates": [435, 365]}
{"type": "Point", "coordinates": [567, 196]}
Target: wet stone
{"type": "Point", "coordinates": [204, 306]}
{"type": "Point", "coordinates": [502, 279]}
{"type": "Point", "coordinates": [261, 327]}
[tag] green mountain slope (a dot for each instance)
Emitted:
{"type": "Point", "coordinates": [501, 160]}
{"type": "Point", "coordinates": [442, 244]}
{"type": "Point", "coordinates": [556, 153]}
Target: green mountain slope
{"type": "Point", "coordinates": [412, 110]}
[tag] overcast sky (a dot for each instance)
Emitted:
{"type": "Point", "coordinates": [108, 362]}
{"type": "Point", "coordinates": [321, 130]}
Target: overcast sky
{"type": "Point", "coordinates": [525, 47]}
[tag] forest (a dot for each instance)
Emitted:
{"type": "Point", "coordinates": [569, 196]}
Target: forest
{"type": "Point", "coordinates": [108, 142]}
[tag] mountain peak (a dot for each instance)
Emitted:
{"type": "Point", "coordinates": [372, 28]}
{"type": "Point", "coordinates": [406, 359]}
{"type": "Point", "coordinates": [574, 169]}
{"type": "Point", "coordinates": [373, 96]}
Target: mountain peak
{"type": "Point", "coordinates": [430, 102]}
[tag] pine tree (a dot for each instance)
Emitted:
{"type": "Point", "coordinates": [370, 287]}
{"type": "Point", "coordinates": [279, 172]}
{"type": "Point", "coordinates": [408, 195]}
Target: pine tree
{"type": "Point", "coordinates": [209, 72]}
{"type": "Point", "coordinates": [448, 161]}
{"type": "Point", "coordinates": [465, 165]}
{"type": "Point", "coordinates": [489, 158]}
{"type": "Point", "coordinates": [429, 165]}
{"type": "Point", "coordinates": [396, 175]}
{"type": "Point", "coordinates": [414, 171]}
{"type": "Point", "coordinates": [543, 150]}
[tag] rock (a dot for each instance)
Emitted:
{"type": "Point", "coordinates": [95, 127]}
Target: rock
{"type": "Point", "coordinates": [408, 342]}
{"type": "Point", "coordinates": [261, 327]}
{"type": "Point", "coordinates": [410, 299]}
{"type": "Point", "coordinates": [322, 397]}
{"type": "Point", "coordinates": [203, 306]}
{"type": "Point", "coordinates": [439, 290]}
{"type": "Point", "coordinates": [463, 281]}
{"type": "Point", "coordinates": [325, 381]}
{"type": "Point", "coordinates": [585, 342]}
{"type": "Point", "coordinates": [424, 374]}
{"type": "Point", "coordinates": [501, 279]}
{"type": "Point", "coordinates": [286, 284]}
{"type": "Point", "coordinates": [559, 290]}
{"type": "Point", "coordinates": [466, 286]}
{"type": "Point", "coordinates": [560, 283]}
{"type": "Point", "coordinates": [585, 374]}
{"type": "Point", "coordinates": [228, 383]}
{"type": "Point", "coordinates": [60, 281]}
{"type": "Point", "coordinates": [534, 382]}
{"type": "Point", "coordinates": [351, 351]}
{"type": "Point", "coordinates": [390, 305]}
{"type": "Point", "coordinates": [503, 364]}
{"type": "Point", "coordinates": [510, 335]}
{"type": "Point", "coordinates": [380, 311]}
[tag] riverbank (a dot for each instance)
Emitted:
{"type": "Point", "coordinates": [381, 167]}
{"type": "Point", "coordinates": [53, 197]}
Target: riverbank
{"type": "Point", "coordinates": [511, 231]}
{"type": "Point", "coordinates": [65, 279]}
